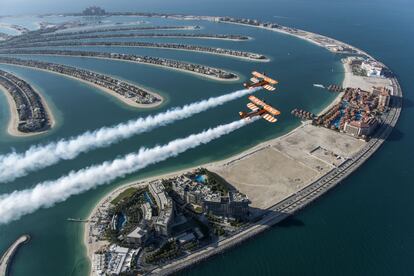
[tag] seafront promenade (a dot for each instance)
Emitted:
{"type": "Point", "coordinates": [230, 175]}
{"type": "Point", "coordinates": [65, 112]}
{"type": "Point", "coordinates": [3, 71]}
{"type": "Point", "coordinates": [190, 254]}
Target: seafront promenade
{"type": "Point", "coordinates": [7, 257]}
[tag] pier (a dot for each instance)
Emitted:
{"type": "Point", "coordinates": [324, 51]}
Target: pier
{"type": "Point", "coordinates": [77, 220]}
{"type": "Point", "coordinates": [7, 257]}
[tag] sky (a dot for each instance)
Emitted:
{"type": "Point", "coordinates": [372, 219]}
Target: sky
{"type": "Point", "coordinates": [20, 7]}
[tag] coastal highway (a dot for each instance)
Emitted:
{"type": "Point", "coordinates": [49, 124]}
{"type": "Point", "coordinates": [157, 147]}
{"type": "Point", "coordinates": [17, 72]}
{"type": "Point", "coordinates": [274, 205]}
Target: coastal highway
{"type": "Point", "coordinates": [299, 200]}
{"type": "Point", "coordinates": [7, 257]}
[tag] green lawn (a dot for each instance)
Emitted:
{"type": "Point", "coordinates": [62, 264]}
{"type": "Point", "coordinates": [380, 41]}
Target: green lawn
{"type": "Point", "coordinates": [125, 194]}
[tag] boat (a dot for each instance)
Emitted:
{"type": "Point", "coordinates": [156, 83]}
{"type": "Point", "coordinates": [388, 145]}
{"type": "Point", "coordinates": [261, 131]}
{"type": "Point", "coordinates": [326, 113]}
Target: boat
{"type": "Point", "coordinates": [318, 85]}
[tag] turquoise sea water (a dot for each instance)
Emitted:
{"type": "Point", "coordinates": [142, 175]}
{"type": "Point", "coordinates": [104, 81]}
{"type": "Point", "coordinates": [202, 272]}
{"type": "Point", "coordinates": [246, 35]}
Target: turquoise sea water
{"type": "Point", "coordinates": [364, 227]}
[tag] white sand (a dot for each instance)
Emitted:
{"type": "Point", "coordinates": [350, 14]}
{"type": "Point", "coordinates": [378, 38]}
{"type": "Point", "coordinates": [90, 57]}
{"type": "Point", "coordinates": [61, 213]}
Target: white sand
{"type": "Point", "coordinates": [104, 89]}
{"type": "Point", "coordinates": [14, 116]}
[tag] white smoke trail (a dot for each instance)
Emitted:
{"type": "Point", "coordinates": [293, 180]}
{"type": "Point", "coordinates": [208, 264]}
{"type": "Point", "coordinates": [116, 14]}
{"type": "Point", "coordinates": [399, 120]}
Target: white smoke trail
{"type": "Point", "coordinates": [14, 165]}
{"type": "Point", "coordinates": [46, 194]}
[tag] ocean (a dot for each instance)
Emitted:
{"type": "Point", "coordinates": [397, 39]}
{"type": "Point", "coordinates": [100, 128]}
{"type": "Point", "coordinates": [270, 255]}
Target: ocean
{"type": "Point", "coordinates": [362, 227]}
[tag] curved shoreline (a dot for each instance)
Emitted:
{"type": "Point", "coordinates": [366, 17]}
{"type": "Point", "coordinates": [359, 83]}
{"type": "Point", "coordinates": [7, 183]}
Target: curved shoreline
{"type": "Point", "coordinates": [7, 257]}
{"type": "Point", "coordinates": [132, 45]}
{"type": "Point", "coordinates": [104, 89]}
{"type": "Point", "coordinates": [12, 129]}
{"type": "Point", "coordinates": [294, 202]}
{"type": "Point", "coordinates": [236, 78]}
{"type": "Point", "coordinates": [138, 35]}
{"type": "Point", "coordinates": [114, 28]}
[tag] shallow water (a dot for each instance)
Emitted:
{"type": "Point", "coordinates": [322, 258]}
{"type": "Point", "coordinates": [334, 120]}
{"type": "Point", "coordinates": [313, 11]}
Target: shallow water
{"type": "Point", "coordinates": [373, 235]}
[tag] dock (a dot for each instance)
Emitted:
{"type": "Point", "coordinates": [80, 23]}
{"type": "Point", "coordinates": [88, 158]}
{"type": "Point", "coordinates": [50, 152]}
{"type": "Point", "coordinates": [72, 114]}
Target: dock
{"type": "Point", "coordinates": [76, 220]}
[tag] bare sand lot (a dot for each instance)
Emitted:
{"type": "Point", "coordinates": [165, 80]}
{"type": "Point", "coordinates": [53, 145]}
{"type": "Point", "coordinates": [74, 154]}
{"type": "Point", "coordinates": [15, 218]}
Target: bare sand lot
{"type": "Point", "coordinates": [365, 83]}
{"type": "Point", "coordinates": [287, 164]}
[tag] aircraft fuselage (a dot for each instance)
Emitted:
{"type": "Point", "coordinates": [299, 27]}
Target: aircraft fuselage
{"type": "Point", "coordinates": [260, 83]}
{"type": "Point", "coordinates": [251, 114]}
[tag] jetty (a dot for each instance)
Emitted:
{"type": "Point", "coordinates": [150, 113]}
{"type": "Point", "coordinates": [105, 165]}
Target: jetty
{"type": "Point", "coordinates": [77, 220]}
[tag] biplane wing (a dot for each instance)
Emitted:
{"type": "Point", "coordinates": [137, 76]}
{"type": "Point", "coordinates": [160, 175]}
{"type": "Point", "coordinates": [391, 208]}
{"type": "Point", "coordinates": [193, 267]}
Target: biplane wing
{"type": "Point", "coordinates": [271, 110]}
{"type": "Point", "coordinates": [255, 100]}
{"type": "Point", "coordinates": [269, 118]}
{"type": "Point", "coordinates": [260, 108]}
{"type": "Point", "coordinates": [252, 107]}
{"type": "Point", "coordinates": [264, 77]}
{"type": "Point", "coordinates": [261, 80]}
{"type": "Point", "coordinates": [269, 87]}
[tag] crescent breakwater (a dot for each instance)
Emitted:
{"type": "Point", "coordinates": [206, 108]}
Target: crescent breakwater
{"type": "Point", "coordinates": [29, 113]}
{"type": "Point", "coordinates": [129, 94]}
{"type": "Point", "coordinates": [7, 257]}
{"type": "Point", "coordinates": [201, 70]}
{"type": "Point", "coordinates": [169, 46]}
{"type": "Point", "coordinates": [316, 176]}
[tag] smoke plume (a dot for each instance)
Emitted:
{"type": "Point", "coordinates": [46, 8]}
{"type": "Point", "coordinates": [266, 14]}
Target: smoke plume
{"type": "Point", "coordinates": [14, 165]}
{"type": "Point", "coordinates": [46, 194]}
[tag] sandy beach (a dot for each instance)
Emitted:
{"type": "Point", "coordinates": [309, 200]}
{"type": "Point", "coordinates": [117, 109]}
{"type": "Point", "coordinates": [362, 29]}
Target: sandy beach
{"type": "Point", "coordinates": [92, 247]}
{"type": "Point", "coordinates": [345, 83]}
{"type": "Point", "coordinates": [178, 49]}
{"type": "Point", "coordinates": [14, 116]}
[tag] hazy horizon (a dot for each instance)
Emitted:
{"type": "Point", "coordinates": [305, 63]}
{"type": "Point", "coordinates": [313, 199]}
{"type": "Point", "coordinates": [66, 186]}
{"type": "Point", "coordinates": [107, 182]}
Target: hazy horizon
{"type": "Point", "coordinates": [21, 7]}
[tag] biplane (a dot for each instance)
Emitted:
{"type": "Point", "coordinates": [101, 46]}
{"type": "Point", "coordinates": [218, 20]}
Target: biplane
{"type": "Point", "coordinates": [262, 80]}
{"type": "Point", "coordinates": [260, 108]}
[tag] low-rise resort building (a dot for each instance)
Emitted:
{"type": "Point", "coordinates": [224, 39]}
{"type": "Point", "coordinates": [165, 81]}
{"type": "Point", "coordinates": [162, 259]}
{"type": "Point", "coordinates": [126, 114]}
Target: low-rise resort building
{"type": "Point", "coordinates": [32, 114]}
{"type": "Point", "coordinates": [176, 216]}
